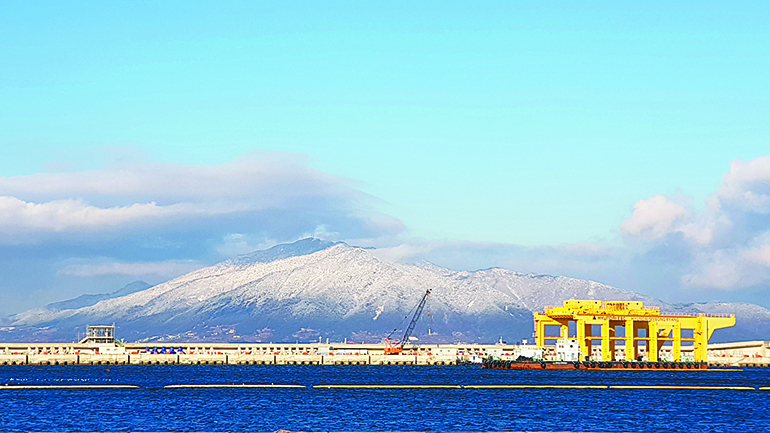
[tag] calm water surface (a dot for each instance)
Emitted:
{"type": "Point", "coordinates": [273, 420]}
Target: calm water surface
{"type": "Point", "coordinates": [155, 408]}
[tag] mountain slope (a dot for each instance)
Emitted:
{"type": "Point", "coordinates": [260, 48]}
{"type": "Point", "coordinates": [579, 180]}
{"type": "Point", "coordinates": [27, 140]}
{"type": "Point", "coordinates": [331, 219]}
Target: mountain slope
{"type": "Point", "coordinates": [88, 300]}
{"type": "Point", "coordinates": [338, 291]}
{"type": "Point", "coordinates": [535, 292]}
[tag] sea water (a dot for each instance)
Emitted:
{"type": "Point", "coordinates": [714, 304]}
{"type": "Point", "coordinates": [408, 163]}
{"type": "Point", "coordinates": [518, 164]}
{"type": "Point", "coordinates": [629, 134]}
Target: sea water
{"type": "Point", "coordinates": [152, 407]}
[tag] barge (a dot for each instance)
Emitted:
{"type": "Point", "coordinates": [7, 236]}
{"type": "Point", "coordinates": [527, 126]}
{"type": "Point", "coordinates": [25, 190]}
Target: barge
{"type": "Point", "coordinates": [493, 364]}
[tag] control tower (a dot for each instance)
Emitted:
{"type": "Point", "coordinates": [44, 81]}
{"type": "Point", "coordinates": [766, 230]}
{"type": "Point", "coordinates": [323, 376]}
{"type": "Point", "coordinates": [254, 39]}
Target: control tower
{"type": "Point", "coordinates": [629, 318]}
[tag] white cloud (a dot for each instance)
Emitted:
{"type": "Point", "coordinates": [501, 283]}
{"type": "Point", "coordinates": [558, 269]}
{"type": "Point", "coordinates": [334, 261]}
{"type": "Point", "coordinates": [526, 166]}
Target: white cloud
{"type": "Point", "coordinates": [669, 246]}
{"type": "Point", "coordinates": [718, 270]}
{"type": "Point", "coordinates": [586, 249]}
{"type": "Point", "coordinates": [402, 251]}
{"type": "Point", "coordinates": [276, 189]}
{"type": "Point", "coordinates": [654, 218]}
{"type": "Point", "coordinates": [727, 246]}
{"type": "Point", "coordinates": [272, 176]}
{"type": "Point", "coordinates": [588, 260]}
{"type": "Point", "coordinates": [234, 244]}
{"type": "Point", "coordinates": [759, 255]}
{"type": "Point", "coordinates": [747, 185]}
{"type": "Point", "coordinates": [61, 215]}
{"type": "Point", "coordinates": [321, 231]}
{"type": "Point", "coordinates": [150, 218]}
{"type": "Point", "coordinates": [167, 214]}
{"type": "Point", "coordinates": [171, 268]}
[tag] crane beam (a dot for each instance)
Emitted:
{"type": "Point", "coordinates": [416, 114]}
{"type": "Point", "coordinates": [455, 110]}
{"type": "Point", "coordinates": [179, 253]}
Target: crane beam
{"type": "Point", "coordinates": [398, 347]}
{"type": "Point", "coordinates": [410, 328]}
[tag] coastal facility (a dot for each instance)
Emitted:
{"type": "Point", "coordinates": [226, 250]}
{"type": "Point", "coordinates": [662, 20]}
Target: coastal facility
{"type": "Point", "coordinates": [578, 331]}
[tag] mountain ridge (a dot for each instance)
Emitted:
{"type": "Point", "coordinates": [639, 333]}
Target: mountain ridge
{"type": "Point", "coordinates": [91, 299]}
{"type": "Point", "coordinates": [312, 288]}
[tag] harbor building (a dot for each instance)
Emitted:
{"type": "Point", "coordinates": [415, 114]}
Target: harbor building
{"type": "Point", "coordinates": [99, 334]}
{"type": "Point", "coordinates": [641, 331]}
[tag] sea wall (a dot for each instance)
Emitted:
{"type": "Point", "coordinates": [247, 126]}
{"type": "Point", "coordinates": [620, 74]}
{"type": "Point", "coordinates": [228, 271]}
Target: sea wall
{"type": "Point", "coordinates": [744, 354]}
{"type": "Point", "coordinates": [231, 353]}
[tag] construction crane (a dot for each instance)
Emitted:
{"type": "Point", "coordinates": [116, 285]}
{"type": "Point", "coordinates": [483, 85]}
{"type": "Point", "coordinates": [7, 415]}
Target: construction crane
{"type": "Point", "coordinates": [397, 347]}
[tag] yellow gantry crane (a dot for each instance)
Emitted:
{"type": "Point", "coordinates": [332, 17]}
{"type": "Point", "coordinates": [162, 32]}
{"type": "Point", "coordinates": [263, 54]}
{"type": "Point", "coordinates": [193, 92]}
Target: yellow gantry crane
{"type": "Point", "coordinates": [631, 317]}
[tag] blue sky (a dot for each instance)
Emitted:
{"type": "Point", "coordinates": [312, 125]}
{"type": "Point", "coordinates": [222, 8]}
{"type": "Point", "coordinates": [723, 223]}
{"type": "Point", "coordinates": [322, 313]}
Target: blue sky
{"type": "Point", "coordinates": [475, 134]}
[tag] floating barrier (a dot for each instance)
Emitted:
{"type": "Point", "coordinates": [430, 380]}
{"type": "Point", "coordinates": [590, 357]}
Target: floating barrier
{"type": "Point", "coordinates": [370, 386]}
{"type": "Point", "coordinates": [723, 369]}
{"type": "Point", "coordinates": [684, 387]}
{"type": "Point", "coordinates": [669, 387]}
{"type": "Point", "coordinates": [670, 370]}
{"type": "Point", "coordinates": [536, 386]}
{"type": "Point", "coordinates": [68, 387]}
{"type": "Point", "coordinates": [387, 386]}
{"type": "Point", "coordinates": [234, 386]}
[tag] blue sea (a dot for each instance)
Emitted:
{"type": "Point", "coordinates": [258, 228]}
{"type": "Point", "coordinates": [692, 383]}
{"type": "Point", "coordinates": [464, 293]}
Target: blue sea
{"type": "Point", "coordinates": [152, 407]}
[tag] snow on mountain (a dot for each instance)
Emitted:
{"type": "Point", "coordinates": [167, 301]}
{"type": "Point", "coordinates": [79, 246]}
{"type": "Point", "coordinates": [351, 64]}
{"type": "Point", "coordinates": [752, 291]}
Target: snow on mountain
{"type": "Point", "coordinates": [311, 289]}
{"type": "Point", "coordinates": [535, 292]}
{"type": "Point", "coordinates": [337, 290]}
{"type": "Point", "coordinates": [752, 321]}
{"type": "Point", "coordinates": [281, 251]}
{"type": "Point", "coordinates": [88, 300]}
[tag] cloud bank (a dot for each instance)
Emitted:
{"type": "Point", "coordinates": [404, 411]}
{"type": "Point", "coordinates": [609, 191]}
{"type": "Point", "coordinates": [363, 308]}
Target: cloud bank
{"type": "Point", "coordinates": [666, 248]}
{"type": "Point", "coordinates": [164, 269]}
{"type": "Point", "coordinates": [727, 244]}
{"type": "Point", "coordinates": [157, 221]}
{"type": "Point", "coordinates": [276, 191]}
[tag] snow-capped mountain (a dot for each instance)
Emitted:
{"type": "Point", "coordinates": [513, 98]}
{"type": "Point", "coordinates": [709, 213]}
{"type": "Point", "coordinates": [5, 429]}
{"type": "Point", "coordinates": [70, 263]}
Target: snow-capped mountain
{"type": "Point", "coordinates": [88, 300]}
{"type": "Point", "coordinates": [281, 251]}
{"type": "Point", "coordinates": [535, 292]}
{"type": "Point", "coordinates": [339, 291]}
{"type": "Point", "coordinates": [313, 289]}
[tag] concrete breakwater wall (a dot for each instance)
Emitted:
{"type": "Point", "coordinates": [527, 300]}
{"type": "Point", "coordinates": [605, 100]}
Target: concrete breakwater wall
{"type": "Point", "coordinates": [741, 354]}
{"type": "Point", "coordinates": [227, 353]}
{"type": "Point", "coordinates": [144, 359]}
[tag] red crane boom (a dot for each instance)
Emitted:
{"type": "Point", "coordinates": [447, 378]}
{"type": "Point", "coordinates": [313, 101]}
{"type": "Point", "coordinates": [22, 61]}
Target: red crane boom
{"type": "Point", "coordinates": [397, 347]}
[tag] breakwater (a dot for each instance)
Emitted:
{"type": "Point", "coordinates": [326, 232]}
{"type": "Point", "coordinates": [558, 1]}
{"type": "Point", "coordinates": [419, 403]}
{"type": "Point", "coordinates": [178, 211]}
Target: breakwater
{"type": "Point", "coordinates": [233, 354]}
{"type": "Point", "coordinates": [740, 354]}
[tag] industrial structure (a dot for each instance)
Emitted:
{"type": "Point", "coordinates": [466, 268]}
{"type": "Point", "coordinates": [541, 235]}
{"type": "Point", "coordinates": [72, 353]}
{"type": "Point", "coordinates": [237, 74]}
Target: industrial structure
{"type": "Point", "coordinates": [659, 341]}
{"type": "Point", "coordinates": [99, 334]}
{"type": "Point", "coordinates": [395, 348]}
{"type": "Point", "coordinates": [631, 324]}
